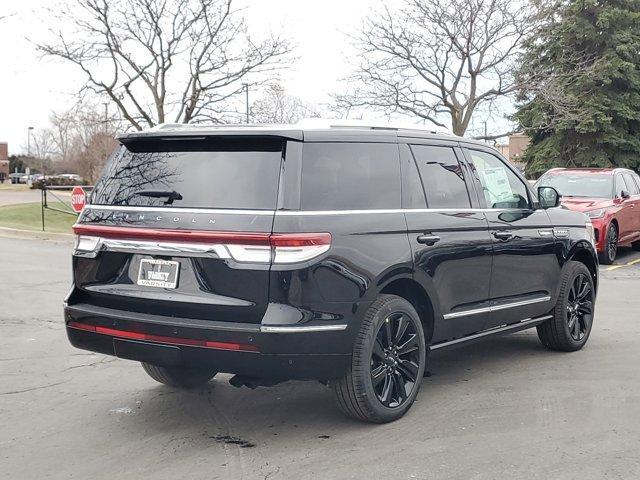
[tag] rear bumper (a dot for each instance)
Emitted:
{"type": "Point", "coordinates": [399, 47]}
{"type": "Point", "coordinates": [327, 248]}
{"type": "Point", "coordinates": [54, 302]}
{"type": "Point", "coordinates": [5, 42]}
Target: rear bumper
{"type": "Point", "coordinates": [241, 349]}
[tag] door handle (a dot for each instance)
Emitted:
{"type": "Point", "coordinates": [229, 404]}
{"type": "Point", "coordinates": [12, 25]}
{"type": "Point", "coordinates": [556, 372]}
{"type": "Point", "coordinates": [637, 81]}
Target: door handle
{"type": "Point", "coordinates": [503, 235]}
{"type": "Point", "coordinates": [428, 239]}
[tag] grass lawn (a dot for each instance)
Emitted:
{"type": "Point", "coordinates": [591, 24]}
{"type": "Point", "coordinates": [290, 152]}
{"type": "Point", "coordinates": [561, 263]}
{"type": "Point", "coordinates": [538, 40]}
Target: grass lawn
{"type": "Point", "coordinates": [14, 187]}
{"type": "Point", "coordinates": [27, 216]}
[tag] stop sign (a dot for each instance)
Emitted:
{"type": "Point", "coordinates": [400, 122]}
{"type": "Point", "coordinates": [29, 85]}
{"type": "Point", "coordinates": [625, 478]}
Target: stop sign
{"type": "Point", "coordinates": [78, 199]}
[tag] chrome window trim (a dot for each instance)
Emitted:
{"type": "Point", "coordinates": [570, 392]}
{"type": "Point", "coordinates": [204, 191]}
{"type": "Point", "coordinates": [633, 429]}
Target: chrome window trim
{"type": "Point", "coordinates": [494, 308]}
{"type": "Point", "coordinates": [297, 213]}
{"type": "Point", "coordinates": [381, 211]}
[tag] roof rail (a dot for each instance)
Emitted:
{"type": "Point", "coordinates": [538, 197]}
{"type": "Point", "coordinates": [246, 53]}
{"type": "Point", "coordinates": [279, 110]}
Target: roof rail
{"type": "Point", "coordinates": [312, 123]}
{"type": "Point", "coordinates": [167, 126]}
{"type": "Point", "coordinates": [367, 124]}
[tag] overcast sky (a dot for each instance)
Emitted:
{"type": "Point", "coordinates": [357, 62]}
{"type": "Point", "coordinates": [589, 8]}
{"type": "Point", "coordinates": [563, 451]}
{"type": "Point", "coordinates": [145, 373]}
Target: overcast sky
{"type": "Point", "coordinates": [31, 86]}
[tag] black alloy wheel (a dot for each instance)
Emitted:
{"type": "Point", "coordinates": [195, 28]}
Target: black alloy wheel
{"type": "Point", "coordinates": [610, 246]}
{"type": "Point", "coordinates": [395, 360]}
{"type": "Point", "coordinates": [571, 320]}
{"type": "Point", "coordinates": [580, 307]}
{"type": "Point", "coordinates": [387, 365]}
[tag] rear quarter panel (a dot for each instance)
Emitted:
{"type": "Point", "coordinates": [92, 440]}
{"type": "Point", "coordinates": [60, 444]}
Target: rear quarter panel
{"type": "Point", "coordinates": [368, 251]}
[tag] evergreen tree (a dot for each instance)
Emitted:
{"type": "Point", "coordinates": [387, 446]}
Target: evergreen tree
{"type": "Point", "coordinates": [580, 95]}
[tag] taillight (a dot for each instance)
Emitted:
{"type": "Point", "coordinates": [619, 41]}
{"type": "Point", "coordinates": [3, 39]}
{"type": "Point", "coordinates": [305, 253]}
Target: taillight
{"type": "Point", "coordinates": [250, 247]}
{"type": "Point", "coordinates": [298, 247]}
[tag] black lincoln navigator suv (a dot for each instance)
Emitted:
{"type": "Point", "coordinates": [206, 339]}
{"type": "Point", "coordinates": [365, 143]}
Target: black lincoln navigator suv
{"type": "Point", "coordinates": [339, 254]}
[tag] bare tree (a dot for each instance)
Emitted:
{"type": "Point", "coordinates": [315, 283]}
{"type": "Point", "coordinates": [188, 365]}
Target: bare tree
{"type": "Point", "coordinates": [41, 144]}
{"type": "Point", "coordinates": [439, 60]}
{"type": "Point", "coordinates": [276, 106]}
{"type": "Point", "coordinates": [165, 60]}
{"type": "Point", "coordinates": [81, 140]}
{"type": "Point", "coordinates": [63, 128]}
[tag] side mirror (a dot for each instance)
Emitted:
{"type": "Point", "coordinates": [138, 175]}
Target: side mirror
{"type": "Point", "coordinates": [624, 194]}
{"type": "Point", "coordinates": [548, 197]}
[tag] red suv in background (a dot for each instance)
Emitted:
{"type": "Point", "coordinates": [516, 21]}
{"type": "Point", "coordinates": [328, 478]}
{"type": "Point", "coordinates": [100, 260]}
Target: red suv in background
{"type": "Point", "coordinates": [611, 199]}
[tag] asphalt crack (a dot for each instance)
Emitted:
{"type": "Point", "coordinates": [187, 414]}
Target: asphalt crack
{"type": "Point", "coordinates": [49, 385]}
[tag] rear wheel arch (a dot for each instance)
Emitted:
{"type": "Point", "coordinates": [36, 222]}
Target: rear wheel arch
{"type": "Point", "coordinates": [613, 221]}
{"type": "Point", "coordinates": [415, 294]}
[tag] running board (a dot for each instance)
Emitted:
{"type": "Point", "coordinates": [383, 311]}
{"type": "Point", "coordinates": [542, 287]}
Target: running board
{"type": "Point", "coordinates": [515, 327]}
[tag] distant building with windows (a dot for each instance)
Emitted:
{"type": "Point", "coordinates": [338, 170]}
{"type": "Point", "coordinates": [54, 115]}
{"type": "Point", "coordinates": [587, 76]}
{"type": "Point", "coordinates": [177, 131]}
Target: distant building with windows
{"type": "Point", "coordinates": [513, 150]}
{"type": "Point", "coordinates": [4, 162]}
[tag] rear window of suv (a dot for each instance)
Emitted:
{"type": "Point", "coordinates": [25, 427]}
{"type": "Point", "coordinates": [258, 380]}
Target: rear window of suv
{"type": "Point", "coordinates": [205, 173]}
{"type": "Point", "coordinates": [350, 176]}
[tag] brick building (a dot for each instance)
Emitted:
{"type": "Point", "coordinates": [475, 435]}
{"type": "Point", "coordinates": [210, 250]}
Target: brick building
{"type": "Point", "coordinates": [4, 162]}
{"type": "Point", "coordinates": [518, 143]}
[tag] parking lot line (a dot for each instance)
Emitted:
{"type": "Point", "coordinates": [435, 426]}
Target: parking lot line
{"type": "Point", "coordinates": [628, 264]}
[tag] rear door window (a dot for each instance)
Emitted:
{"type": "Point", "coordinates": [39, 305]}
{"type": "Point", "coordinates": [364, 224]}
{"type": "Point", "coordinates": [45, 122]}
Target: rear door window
{"type": "Point", "coordinates": [442, 177]}
{"type": "Point", "coordinates": [350, 176]}
{"type": "Point", "coordinates": [631, 184]}
{"type": "Point", "coordinates": [210, 173]}
{"type": "Point", "coordinates": [620, 185]}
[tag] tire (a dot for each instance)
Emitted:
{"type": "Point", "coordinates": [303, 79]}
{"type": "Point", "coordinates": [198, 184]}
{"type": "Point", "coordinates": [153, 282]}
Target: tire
{"type": "Point", "coordinates": [572, 320]}
{"type": "Point", "coordinates": [636, 246]}
{"type": "Point", "coordinates": [180, 377]}
{"type": "Point", "coordinates": [356, 394]}
{"type": "Point", "coordinates": [608, 256]}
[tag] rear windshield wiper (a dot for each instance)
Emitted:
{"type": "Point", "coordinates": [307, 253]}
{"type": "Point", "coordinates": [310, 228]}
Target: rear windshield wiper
{"type": "Point", "coordinates": [170, 195]}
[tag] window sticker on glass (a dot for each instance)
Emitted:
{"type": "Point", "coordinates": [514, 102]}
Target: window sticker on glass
{"type": "Point", "coordinates": [497, 184]}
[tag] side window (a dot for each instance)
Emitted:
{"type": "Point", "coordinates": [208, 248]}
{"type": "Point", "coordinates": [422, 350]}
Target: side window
{"type": "Point", "coordinates": [620, 185]}
{"type": "Point", "coordinates": [502, 188]}
{"type": "Point", "coordinates": [631, 184]}
{"type": "Point", "coordinates": [412, 190]}
{"type": "Point", "coordinates": [442, 177]}
{"type": "Point", "coordinates": [350, 176]}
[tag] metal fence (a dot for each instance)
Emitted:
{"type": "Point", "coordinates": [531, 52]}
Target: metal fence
{"type": "Point", "coordinates": [50, 191]}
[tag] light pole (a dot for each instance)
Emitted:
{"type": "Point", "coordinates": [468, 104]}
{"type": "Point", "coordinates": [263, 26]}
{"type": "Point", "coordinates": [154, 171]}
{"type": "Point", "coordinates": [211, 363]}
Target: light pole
{"type": "Point", "coordinates": [29, 129]}
{"type": "Point", "coordinates": [246, 91]}
{"type": "Point", "coordinates": [106, 115]}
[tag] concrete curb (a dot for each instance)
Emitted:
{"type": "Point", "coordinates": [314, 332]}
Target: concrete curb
{"type": "Point", "coordinates": [7, 232]}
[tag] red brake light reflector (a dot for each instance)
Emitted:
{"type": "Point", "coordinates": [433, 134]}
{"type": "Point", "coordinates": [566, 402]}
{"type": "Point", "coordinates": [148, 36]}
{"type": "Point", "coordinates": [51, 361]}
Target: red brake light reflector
{"type": "Point", "coordinates": [300, 239]}
{"type": "Point", "coordinates": [191, 342]}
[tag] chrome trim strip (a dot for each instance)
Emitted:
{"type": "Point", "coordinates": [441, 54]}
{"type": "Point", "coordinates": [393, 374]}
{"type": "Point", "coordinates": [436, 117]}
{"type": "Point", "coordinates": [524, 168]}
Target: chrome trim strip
{"type": "Point", "coordinates": [465, 313]}
{"type": "Point", "coordinates": [505, 328]}
{"type": "Point", "coordinates": [159, 248]}
{"type": "Point", "coordinates": [493, 308]}
{"type": "Point", "coordinates": [293, 213]}
{"type": "Point", "coordinates": [301, 329]}
{"type": "Point", "coordinates": [176, 210]}
{"type": "Point", "coordinates": [522, 303]}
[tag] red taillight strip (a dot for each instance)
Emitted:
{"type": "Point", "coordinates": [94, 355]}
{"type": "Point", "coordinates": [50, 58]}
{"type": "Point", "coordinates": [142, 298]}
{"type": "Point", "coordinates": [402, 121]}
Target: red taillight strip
{"type": "Point", "coordinates": [300, 239]}
{"type": "Point", "coordinates": [197, 236]}
{"type": "Point", "coordinates": [191, 342]}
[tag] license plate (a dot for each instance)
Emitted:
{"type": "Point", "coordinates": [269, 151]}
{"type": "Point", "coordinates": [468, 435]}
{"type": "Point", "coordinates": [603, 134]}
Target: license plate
{"type": "Point", "coordinates": [158, 273]}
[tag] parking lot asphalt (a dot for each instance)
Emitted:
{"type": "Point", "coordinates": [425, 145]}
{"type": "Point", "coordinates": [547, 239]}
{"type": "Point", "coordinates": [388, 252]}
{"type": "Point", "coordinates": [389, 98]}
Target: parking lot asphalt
{"type": "Point", "coordinates": [505, 408]}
